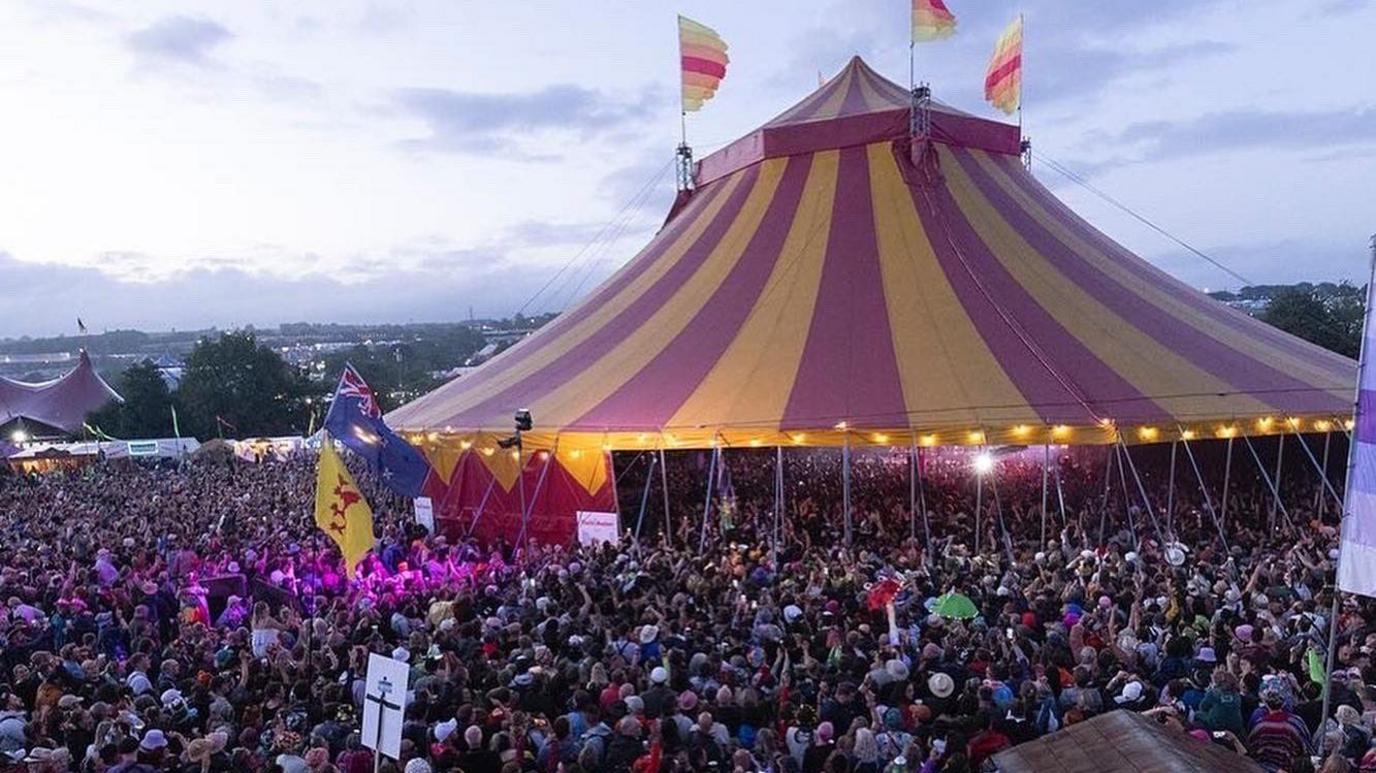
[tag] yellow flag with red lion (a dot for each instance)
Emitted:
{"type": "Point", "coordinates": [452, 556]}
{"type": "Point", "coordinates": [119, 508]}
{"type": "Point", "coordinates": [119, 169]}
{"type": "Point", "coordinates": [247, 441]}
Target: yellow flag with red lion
{"type": "Point", "coordinates": [340, 509]}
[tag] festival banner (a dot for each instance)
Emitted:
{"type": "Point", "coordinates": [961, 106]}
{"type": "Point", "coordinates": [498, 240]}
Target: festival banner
{"type": "Point", "coordinates": [1357, 552]}
{"type": "Point", "coordinates": [932, 20]}
{"type": "Point", "coordinates": [702, 56]}
{"type": "Point", "coordinates": [340, 509]}
{"type": "Point", "coordinates": [1003, 80]}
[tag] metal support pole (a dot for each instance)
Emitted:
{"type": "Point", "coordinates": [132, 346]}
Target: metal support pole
{"type": "Point", "coordinates": [1204, 489]}
{"type": "Point", "coordinates": [1266, 477]}
{"type": "Point", "coordinates": [664, 484]}
{"type": "Point", "coordinates": [1060, 499]}
{"type": "Point", "coordinates": [645, 500]}
{"type": "Point", "coordinates": [778, 505]}
{"type": "Point", "coordinates": [1327, 484]}
{"type": "Point", "coordinates": [1321, 504]}
{"type": "Point", "coordinates": [1046, 471]}
{"type": "Point", "coordinates": [1170, 493]}
{"type": "Point", "coordinates": [616, 496]}
{"type": "Point", "coordinates": [912, 491]}
{"type": "Point", "coordinates": [1142, 491]}
{"type": "Point", "coordinates": [1227, 479]}
{"type": "Point", "coordinates": [1127, 500]}
{"type": "Point", "coordinates": [922, 505]}
{"type": "Point", "coordinates": [1280, 457]}
{"type": "Point", "coordinates": [526, 512]}
{"type": "Point", "coordinates": [1103, 507]}
{"type": "Point", "coordinates": [979, 506]}
{"type": "Point", "coordinates": [707, 503]}
{"type": "Point", "coordinates": [482, 505]}
{"type": "Point", "coordinates": [845, 487]}
{"type": "Point", "coordinates": [998, 511]}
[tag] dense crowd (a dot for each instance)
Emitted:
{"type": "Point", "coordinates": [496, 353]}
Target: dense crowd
{"type": "Point", "coordinates": [190, 617]}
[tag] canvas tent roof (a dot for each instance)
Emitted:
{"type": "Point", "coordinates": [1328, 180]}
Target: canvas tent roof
{"type": "Point", "coordinates": [62, 403]}
{"type": "Point", "coordinates": [820, 286]}
{"type": "Point", "coordinates": [1121, 742]}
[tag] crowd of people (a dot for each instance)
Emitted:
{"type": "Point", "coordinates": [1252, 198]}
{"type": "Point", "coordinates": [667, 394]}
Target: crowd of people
{"type": "Point", "coordinates": [190, 617]}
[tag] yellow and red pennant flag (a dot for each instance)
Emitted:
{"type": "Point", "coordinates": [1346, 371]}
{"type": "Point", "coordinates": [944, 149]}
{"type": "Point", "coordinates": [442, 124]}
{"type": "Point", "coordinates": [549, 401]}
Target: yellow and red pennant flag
{"type": "Point", "coordinates": [340, 509]}
{"type": "Point", "coordinates": [932, 20]}
{"type": "Point", "coordinates": [1003, 81]}
{"type": "Point", "coordinates": [702, 56]}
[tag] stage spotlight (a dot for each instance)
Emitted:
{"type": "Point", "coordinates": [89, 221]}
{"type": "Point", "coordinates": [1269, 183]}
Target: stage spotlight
{"type": "Point", "coordinates": [523, 421]}
{"type": "Point", "coordinates": [984, 463]}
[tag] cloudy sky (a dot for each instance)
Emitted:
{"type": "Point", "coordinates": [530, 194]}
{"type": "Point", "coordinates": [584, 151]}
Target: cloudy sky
{"type": "Point", "coordinates": [183, 164]}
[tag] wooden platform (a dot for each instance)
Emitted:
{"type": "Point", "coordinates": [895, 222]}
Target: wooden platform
{"type": "Point", "coordinates": [1121, 741]}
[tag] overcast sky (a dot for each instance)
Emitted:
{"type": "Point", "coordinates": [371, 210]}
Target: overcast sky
{"type": "Point", "coordinates": [184, 164]}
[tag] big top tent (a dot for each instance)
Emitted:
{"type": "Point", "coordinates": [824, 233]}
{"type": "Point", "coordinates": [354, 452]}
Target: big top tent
{"type": "Point", "coordinates": [59, 406]}
{"type": "Point", "coordinates": [820, 286]}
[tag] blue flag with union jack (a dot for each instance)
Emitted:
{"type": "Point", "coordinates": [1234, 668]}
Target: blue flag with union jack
{"type": "Point", "coordinates": [355, 419]}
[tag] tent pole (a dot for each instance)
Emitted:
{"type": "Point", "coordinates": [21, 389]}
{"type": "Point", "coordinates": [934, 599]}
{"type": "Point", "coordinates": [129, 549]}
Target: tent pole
{"type": "Point", "coordinates": [482, 505]}
{"type": "Point", "coordinates": [1227, 479]}
{"type": "Point", "coordinates": [664, 484]}
{"type": "Point", "coordinates": [1142, 491]}
{"type": "Point", "coordinates": [922, 504]}
{"type": "Point", "coordinates": [645, 500]}
{"type": "Point", "coordinates": [1327, 485]}
{"type": "Point", "coordinates": [998, 510]}
{"type": "Point", "coordinates": [1204, 489]}
{"type": "Point", "coordinates": [1266, 477]}
{"type": "Point", "coordinates": [1060, 499]}
{"type": "Point", "coordinates": [912, 490]}
{"type": "Point", "coordinates": [1170, 493]}
{"type": "Point", "coordinates": [845, 487]}
{"type": "Point", "coordinates": [527, 511]}
{"type": "Point", "coordinates": [778, 505]}
{"type": "Point", "coordinates": [1046, 471]}
{"type": "Point", "coordinates": [1127, 500]}
{"type": "Point", "coordinates": [707, 502]}
{"type": "Point", "coordinates": [979, 505]}
{"type": "Point", "coordinates": [1321, 504]}
{"type": "Point", "coordinates": [616, 496]}
{"type": "Point", "coordinates": [1103, 507]}
{"type": "Point", "coordinates": [1280, 458]}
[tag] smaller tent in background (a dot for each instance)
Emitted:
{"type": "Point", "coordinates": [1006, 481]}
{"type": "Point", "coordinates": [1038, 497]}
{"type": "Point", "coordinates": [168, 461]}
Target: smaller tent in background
{"type": "Point", "coordinates": [57, 407]}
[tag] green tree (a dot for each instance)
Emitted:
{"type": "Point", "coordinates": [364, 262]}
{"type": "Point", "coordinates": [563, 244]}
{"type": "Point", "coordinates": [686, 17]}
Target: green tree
{"type": "Point", "coordinates": [147, 408]}
{"type": "Point", "coordinates": [1331, 319]}
{"type": "Point", "coordinates": [243, 382]}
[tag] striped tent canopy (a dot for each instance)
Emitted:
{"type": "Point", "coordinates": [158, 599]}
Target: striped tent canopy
{"type": "Point", "coordinates": [821, 287]}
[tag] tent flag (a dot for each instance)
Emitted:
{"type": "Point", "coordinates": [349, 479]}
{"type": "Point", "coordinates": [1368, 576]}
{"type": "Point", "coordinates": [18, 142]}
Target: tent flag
{"type": "Point", "coordinates": [355, 418]}
{"type": "Point", "coordinates": [1003, 81]}
{"type": "Point", "coordinates": [340, 509]}
{"type": "Point", "coordinates": [702, 56]}
{"type": "Point", "coordinates": [932, 20]}
{"type": "Point", "coordinates": [1357, 549]}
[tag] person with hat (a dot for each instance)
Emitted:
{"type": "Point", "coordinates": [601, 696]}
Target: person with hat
{"type": "Point", "coordinates": [1278, 738]}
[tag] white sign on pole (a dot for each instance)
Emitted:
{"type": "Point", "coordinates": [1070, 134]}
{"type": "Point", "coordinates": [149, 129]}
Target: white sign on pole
{"type": "Point", "coordinates": [384, 704]}
{"type": "Point", "coordinates": [595, 527]}
{"type": "Point", "coordinates": [425, 513]}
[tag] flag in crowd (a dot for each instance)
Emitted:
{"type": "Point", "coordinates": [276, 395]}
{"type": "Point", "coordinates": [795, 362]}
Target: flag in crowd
{"type": "Point", "coordinates": [340, 509]}
{"type": "Point", "coordinates": [702, 56]}
{"type": "Point", "coordinates": [932, 20]}
{"type": "Point", "coordinates": [1003, 80]}
{"type": "Point", "coordinates": [355, 417]}
{"type": "Point", "coordinates": [1357, 550]}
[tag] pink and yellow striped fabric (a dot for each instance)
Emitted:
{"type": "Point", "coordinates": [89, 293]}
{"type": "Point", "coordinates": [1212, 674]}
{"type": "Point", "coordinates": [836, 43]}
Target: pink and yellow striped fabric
{"type": "Point", "coordinates": [932, 20]}
{"type": "Point", "coordinates": [838, 294]}
{"type": "Point", "coordinates": [702, 55]}
{"type": "Point", "coordinates": [1003, 80]}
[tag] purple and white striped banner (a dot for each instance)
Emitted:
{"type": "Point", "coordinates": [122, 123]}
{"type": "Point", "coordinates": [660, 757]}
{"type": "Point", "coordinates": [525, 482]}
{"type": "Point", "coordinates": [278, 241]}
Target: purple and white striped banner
{"type": "Point", "coordinates": [1357, 561]}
